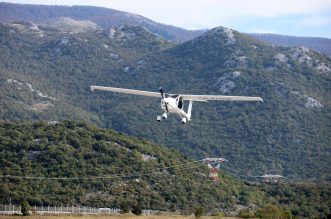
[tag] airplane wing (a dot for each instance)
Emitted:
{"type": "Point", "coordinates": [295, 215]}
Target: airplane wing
{"type": "Point", "coordinates": [185, 97]}
{"type": "Point", "coordinates": [127, 91]}
{"type": "Point", "coordinates": [219, 97]}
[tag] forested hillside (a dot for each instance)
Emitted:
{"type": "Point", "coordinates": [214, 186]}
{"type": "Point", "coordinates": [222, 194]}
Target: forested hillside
{"type": "Point", "coordinates": [83, 164]}
{"type": "Point", "coordinates": [289, 133]}
{"type": "Point", "coordinates": [73, 163]}
{"type": "Point", "coordinates": [46, 74]}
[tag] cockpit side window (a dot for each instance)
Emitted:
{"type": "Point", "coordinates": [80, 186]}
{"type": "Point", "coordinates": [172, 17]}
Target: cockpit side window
{"type": "Point", "coordinates": [180, 103]}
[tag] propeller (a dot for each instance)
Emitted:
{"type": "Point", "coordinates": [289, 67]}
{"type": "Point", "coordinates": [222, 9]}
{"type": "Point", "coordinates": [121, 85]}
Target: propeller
{"type": "Point", "coordinates": [162, 95]}
{"type": "Point", "coordinates": [161, 91]}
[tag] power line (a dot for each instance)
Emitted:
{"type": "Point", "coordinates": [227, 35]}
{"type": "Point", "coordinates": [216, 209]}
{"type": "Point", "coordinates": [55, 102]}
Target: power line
{"type": "Point", "coordinates": [179, 167]}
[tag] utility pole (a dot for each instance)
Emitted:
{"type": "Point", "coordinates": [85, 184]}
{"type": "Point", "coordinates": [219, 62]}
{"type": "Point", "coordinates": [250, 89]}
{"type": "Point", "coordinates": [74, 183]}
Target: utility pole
{"type": "Point", "coordinates": [213, 165]}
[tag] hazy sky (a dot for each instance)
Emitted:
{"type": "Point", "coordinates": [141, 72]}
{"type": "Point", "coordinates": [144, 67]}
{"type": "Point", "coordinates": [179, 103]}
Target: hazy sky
{"type": "Point", "coordinates": [291, 17]}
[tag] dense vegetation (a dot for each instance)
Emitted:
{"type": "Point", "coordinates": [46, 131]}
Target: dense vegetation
{"type": "Point", "coordinates": [287, 134]}
{"type": "Point", "coordinates": [128, 171]}
{"type": "Point", "coordinates": [75, 163]}
{"type": "Point", "coordinates": [303, 199]}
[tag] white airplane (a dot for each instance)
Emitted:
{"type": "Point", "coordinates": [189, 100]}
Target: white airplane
{"type": "Point", "coordinates": [271, 177]}
{"type": "Point", "coordinates": [174, 103]}
{"type": "Point", "coordinates": [214, 162]}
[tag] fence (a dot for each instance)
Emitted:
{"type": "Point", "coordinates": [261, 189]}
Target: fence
{"type": "Point", "coordinates": [12, 209]}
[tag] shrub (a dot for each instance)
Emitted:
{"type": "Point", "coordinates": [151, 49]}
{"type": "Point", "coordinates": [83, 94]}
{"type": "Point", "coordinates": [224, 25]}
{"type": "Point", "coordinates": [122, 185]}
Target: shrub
{"type": "Point", "coordinates": [125, 207]}
{"type": "Point", "coordinates": [218, 214]}
{"type": "Point", "coordinates": [272, 211]}
{"type": "Point", "coordinates": [199, 211]}
{"type": "Point", "coordinates": [246, 213]}
{"type": "Point", "coordinates": [137, 210]}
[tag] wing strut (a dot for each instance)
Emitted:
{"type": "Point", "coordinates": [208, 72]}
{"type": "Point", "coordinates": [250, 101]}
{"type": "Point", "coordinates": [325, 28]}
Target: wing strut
{"type": "Point", "coordinates": [189, 110]}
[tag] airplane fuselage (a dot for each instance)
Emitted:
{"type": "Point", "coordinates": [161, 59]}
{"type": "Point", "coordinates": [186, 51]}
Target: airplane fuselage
{"type": "Point", "coordinates": [171, 105]}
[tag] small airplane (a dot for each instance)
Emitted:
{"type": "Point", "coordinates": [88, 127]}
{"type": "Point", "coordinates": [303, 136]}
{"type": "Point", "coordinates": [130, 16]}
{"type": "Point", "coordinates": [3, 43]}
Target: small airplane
{"type": "Point", "coordinates": [214, 162]}
{"type": "Point", "coordinates": [271, 177]}
{"type": "Point", "coordinates": [174, 103]}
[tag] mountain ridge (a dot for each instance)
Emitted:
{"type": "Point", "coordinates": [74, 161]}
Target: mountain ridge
{"type": "Point", "coordinates": [104, 17]}
{"type": "Point", "coordinates": [109, 17]}
{"type": "Point", "coordinates": [320, 44]}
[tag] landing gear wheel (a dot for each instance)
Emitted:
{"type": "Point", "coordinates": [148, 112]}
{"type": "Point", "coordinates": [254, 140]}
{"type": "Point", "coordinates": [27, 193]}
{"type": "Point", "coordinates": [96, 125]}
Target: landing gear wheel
{"type": "Point", "coordinates": [164, 116]}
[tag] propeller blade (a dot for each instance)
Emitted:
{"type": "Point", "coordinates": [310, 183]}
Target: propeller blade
{"type": "Point", "coordinates": [161, 91]}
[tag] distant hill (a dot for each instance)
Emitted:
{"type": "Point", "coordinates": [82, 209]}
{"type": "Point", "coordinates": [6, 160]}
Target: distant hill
{"type": "Point", "coordinates": [104, 17]}
{"type": "Point", "coordinates": [316, 43]}
{"type": "Point", "coordinates": [46, 74]}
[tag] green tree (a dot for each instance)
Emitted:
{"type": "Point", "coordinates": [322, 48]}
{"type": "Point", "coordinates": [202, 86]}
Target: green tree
{"type": "Point", "coordinates": [25, 208]}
